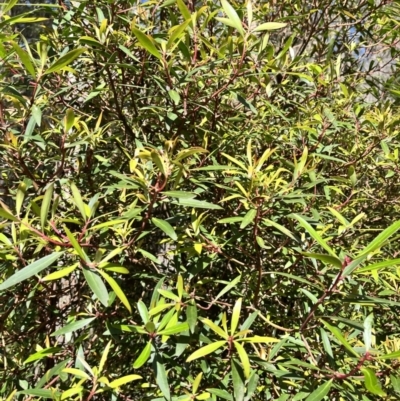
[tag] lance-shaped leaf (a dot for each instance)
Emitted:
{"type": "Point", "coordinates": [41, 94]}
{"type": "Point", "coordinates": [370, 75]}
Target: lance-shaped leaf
{"type": "Point", "coordinates": [248, 218]}
{"type": "Point", "coordinates": [71, 327]}
{"type": "Point", "coordinates": [26, 61]}
{"type": "Point", "coordinates": [371, 382]}
{"type": "Point", "coordinates": [313, 234]}
{"type": "Point", "coordinates": [236, 315]}
{"type": "Point", "coordinates": [161, 376]}
{"type": "Point", "coordinates": [124, 380]}
{"type": "Point", "coordinates": [203, 351]}
{"type": "Point", "coordinates": [42, 354]}
{"type": "Point", "coordinates": [44, 210]}
{"type": "Point", "coordinates": [215, 328]}
{"type": "Point", "coordinates": [232, 16]}
{"type": "Point", "coordinates": [78, 200]}
{"type": "Point", "coordinates": [117, 289]}
{"type": "Point", "coordinates": [198, 204]}
{"type": "Point", "coordinates": [380, 240]}
{"type": "Point", "coordinates": [30, 270]}
{"type": "Point", "coordinates": [97, 286]}
{"type": "Point", "coordinates": [65, 60]}
{"type": "Point", "coordinates": [60, 273]}
{"type": "Point", "coordinates": [243, 358]}
{"type": "Point", "coordinates": [269, 26]}
{"type": "Point", "coordinates": [147, 43]}
{"type": "Point", "coordinates": [339, 336]}
{"type": "Point", "coordinates": [165, 227]}
{"type": "Point", "coordinates": [76, 245]}
{"type": "Point", "coordinates": [178, 328]}
{"type": "Point", "coordinates": [143, 357]}
{"type": "Point", "coordinates": [319, 393]}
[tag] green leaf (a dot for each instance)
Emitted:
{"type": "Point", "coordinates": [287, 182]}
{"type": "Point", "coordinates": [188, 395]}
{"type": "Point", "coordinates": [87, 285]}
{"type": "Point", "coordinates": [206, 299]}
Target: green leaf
{"type": "Point", "coordinates": [314, 234]}
{"type": "Point", "coordinates": [179, 194]}
{"type": "Point", "coordinates": [269, 26]}
{"type": "Point", "coordinates": [6, 215]}
{"type": "Point", "coordinates": [183, 9]}
{"type": "Point", "coordinates": [8, 6]}
{"type": "Point", "coordinates": [147, 43]}
{"type": "Point", "coordinates": [124, 380]}
{"type": "Point", "coordinates": [191, 315]}
{"type": "Point", "coordinates": [353, 265]}
{"type": "Point", "coordinates": [238, 381]}
{"type": "Point", "coordinates": [42, 354]}
{"type": "Point", "coordinates": [76, 245]}
{"type": "Point", "coordinates": [243, 358]}
{"type": "Point", "coordinates": [198, 204]}
{"type": "Point", "coordinates": [96, 284]}
{"type": "Point", "coordinates": [161, 376]}
{"type": "Point", "coordinates": [30, 270]}
{"type": "Point", "coordinates": [26, 61]}
{"type": "Point", "coordinates": [40, 392]}
{"type": "Point", "coordinates": [331, 260]}
{"type": "Point", "coordinates": [44, 210]}
{"type": "Point", "coordinates": [169, 294]}
{"type": "Point", "coordinates": [248, 218]}
{"type": "Point", "coordinates": [232, 16]}
{"type": "Point", "coordinates": [221, 393]}
{"type": "Point", "coordinates": [178, 328]}
{"type": "Point", "coordinates": [378, 266]}
{"type": "Point", "coordinates": [76, 372]}
{"type": "Point", "coordinates": [65, 60]}
{"type": "Point", "coordinates": [229, 220]}
{"type": "Point", "coordinates": [165, 227]}
{"type": "Point", "coordinates": [60, 273]}
{"type": "Point", "coordinates": [104, 357]}
{"type": "Point", "coordinates": [284, 230]}
{"type": "Point", "coordinates": [78, 200]}
{"type": "Point", "coordinates": [215, 328]}
{"type": "Point", "coordinates": [117, 289]}
{"type": "Point", "coordinates": [326, 342]}
{"type": "Point", "coordinates": [380, 240]}
{"type": "Point", "coordinates": [393, 355]}
{"type": "Point", "coordinates": [149, 256]}
{"type": "Point", "coordinates": [143, 312]}
{"type": "Point", "coordinates": [231, 285]}
{"type": "Point", "coordinates": [236, 315]}
{"type": "Point", "coordinates": [71, 327]}
{"type": "Point", "coordinates": [207, 349]}
{"type": "Point", "coordinates": [371, 382]}
{"type": "Point", "coordinates": [319, 393]}
{"type": "Point", "coordinates": [143, 357]}
{"type": "Point", "coordinates": [339, 336]}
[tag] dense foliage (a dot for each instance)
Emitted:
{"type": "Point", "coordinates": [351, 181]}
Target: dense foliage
{"type": "Point", "coordinates": [200, 200]}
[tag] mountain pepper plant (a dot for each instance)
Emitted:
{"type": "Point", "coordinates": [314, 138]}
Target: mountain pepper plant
{"type": "Point", "coordinates": [199, 200]}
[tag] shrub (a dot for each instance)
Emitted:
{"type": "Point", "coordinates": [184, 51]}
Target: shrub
{"type": "Point", "coordinates": [200, 201]}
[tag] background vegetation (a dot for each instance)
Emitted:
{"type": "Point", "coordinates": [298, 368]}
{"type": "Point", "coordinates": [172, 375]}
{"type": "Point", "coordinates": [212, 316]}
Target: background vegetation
{"type": "Point", "coordinates": [200, 200]}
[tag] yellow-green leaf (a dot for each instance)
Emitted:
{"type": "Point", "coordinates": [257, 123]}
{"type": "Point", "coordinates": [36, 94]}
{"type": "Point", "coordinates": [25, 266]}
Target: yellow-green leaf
{"type": "Point", "coordinates": [117, 289]}
{"type": "Point", "coordinates": [243, 358]}
{"type": "Point", "coordinates": [203, 351]}
{"type": "Point", "coordinates": [236, 315]}
{"type": "Point", "coordinates": [65, 60]}
{"type": "Point", "coordinates": [147, 43]}
{"type": "Point", "coordinates": [44, 210]}
{"type": "Point", "coordinates": [165, 227]}
{"type": "Point", "coordinates": [215, 328]}
{"type": "Point", "coordinates": [270, 26]}
{"type": "Point", "coordinates": [232, 16]}
{"type": "Point", "coordinates": [60, 273]}
{"type": "Point", "coordinates": [124, 380]}
{"type": "Point", "coordinates": [143, 357]}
